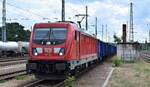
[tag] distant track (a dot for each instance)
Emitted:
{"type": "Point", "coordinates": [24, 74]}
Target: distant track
{"type": "Point", "coordinates": [11, 75]}
{"type": "Point", "coordinates": [12, 71]}
{"type": "Point", "coordinates": [11, 59]}
{"type": "Point", "coordinates": [146, 56]}
{"type": "Point", "coordinates": [12, 62]}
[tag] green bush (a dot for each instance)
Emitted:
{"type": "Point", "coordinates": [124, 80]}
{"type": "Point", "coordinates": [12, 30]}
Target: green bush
{"type": "Point", "coordinates": [69, 81]}
{"type": "Point", "coordinates": [117, 62]}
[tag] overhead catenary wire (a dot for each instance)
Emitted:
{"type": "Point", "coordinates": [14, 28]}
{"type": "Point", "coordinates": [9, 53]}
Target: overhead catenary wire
{"type": "Point", "coordinates": [31, 12]}
{"type": "Point", "coordinates": [26, 10]}
{"type": "Point", "coordinates": [25, 17]}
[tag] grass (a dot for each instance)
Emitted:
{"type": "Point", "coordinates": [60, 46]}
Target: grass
{"type": "Point", "coordinates": [131, 74]}
{"type": "Point", "coordinates": [20, 77]}
{"type": "Point", "coordinates": [2, 81]}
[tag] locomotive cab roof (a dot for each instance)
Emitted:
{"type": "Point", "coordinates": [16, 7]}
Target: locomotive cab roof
{"type": "Point", "coordinates": [65, 24]}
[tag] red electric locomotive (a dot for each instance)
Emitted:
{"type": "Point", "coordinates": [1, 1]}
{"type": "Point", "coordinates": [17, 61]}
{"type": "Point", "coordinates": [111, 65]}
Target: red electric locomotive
{"type": "Point", "coordinates": [59, 49]}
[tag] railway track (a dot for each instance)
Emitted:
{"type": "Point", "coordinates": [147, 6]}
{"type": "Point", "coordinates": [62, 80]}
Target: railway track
{"type": "Point", "coordinates": [44, 83]}
{"type": "Point", "coordinates": [146, 56]}
{"type": "Point", "coordinates": [11, 67]}
{"type": "Point", "coordinates": [51, 83]}
{"type": "Point", "coordinates": [11, 75]}
{"type": "Point", "coordinates": [12, 71]}
{"type": "Point", "coordinates": [12, 61]}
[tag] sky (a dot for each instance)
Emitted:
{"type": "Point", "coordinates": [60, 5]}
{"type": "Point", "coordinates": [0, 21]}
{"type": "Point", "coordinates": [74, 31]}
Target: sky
{"type": "Point", "coordinates": [112, 13]}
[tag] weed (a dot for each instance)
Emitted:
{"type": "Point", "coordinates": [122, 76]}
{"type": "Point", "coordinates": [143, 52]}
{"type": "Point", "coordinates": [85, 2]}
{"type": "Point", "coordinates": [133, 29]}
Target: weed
{"type": "Point", "coordinates": [137, 74]}
{"type": "Point", "coordinates": [2, 81]}
{"type": "Point", "coordinates": [117, 62]}
{"type": "Point", "coordinates": [20, 77]}
{"type": "Point", "coordinates": [147, 70]}
{"type": "Point", "coordinates": [69, 81]}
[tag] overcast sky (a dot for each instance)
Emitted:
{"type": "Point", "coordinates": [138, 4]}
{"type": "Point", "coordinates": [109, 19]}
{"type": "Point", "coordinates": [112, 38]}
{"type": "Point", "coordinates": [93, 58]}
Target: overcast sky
{"type": "Point", "coordinates": [111, 12]}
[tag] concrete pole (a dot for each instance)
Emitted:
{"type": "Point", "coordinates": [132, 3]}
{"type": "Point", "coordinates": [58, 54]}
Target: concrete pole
{"type": "Point", "coordinates": [4, 21]}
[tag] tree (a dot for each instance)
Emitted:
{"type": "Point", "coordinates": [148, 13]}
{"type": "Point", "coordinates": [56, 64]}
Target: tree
{"type": "Point", "coordinates": [117, 39]}
{"type": "Point", "coordinates": [16, 32]}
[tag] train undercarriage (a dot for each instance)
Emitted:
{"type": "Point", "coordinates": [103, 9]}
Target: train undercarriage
{"type": "Point", "coordinates": [56, 70]}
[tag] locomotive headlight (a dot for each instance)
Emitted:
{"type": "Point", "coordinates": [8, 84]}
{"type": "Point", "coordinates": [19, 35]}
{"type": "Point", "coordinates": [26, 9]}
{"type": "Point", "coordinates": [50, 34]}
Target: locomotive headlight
{"type": "Point", "coordinates": [62, 52]}
{"type": "Point", "coordinates": [34, 52]}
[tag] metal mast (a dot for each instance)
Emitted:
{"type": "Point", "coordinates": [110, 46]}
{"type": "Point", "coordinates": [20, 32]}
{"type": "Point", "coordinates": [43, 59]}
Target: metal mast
{"type": "Point", "coordinates": [4, 21]}
{"type": "Point", "coordinates": [84, 16]}
{"type": "Point", "coordinates": [102, 30]}
{"type": "Point", "coordinates": [149, 36]}
{"type": "Point", "coordinates": [86, 23]}
{"type": "Point", "coordinates": [96, 26]}
{"type": "Point", "coordinates": [63, 11]}
{"type": "Point", "coordinates": [131, 32]}
{"type": "Point", "coordinates": [106, 32]}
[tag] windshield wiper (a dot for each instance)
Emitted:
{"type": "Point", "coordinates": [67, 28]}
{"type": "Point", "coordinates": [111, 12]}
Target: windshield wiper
{"type": "Point", "coordinates": [52, 33]}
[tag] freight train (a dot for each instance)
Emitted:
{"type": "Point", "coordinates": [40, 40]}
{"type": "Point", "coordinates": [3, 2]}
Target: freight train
{"type": "Point", "coordinates": [12, 48]}
{"type": "Point", "coordinates": [58, 50]}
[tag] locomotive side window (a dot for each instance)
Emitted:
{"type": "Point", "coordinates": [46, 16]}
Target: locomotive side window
{"type": "Point", "coordinates": [52, 36]}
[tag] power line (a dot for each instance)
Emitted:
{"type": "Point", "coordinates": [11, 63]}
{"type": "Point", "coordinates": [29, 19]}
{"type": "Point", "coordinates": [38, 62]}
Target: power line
{"type": "Point", "coordinates": [23, 9]}
{"type": "Point", "coordinates": [82, 2]}
{"type": "Point", "coordinates": [24, 17]}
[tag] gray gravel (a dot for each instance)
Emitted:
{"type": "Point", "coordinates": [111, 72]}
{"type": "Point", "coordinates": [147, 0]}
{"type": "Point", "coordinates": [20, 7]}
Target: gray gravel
{"type": "Point", "coordinates": [95, 77]}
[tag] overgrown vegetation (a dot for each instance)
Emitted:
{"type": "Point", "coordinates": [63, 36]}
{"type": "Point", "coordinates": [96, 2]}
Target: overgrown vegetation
{"type": "Point", "coordinates": [131, 74]}
{"type": "Point", "coordinates": [20, 77]}
{"type": "Point", "coordinates": [117, 62]}
{"type": "Point", "coordinates": [117, 39]}
{"type": "Point", "coordinates": [16, 32]}
{"type": "Point", "coordinates": [69, 81]}
{"type": "Point", "coordinates": [2, 81]}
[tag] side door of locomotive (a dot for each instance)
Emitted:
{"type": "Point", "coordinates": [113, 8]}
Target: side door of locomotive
{"type": "Point", "coordinates": [77, 38]}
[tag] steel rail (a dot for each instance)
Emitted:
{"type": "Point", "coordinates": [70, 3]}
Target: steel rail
{"type": "Point", "coordinates": [13, 74]}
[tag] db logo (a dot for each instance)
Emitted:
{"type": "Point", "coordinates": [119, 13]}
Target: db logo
{"type": "Point", "coordinates": [48, 51]}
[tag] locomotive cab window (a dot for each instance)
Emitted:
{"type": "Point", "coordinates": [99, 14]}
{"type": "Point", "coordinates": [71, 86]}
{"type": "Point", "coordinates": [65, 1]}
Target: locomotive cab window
{"type": "Point", "coordinates": [49, 36]}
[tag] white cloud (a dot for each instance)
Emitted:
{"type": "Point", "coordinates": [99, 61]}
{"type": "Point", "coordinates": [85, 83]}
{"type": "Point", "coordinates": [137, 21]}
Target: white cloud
{"type": "Point", "coordinates": [147, 19]}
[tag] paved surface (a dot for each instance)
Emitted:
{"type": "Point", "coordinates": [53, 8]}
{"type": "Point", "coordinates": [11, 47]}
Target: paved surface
{"type": "Point", "coordinates": [95, 77]}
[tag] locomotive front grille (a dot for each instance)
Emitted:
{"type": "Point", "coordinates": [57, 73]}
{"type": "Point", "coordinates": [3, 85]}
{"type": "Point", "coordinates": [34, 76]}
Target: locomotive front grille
{"type": "Point", "coordinates": [46, 68]}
